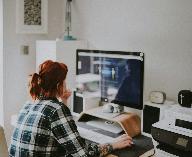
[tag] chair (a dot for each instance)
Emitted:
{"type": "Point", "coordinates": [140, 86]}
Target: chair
{"type": "Point", "coordinates": [3, 144]}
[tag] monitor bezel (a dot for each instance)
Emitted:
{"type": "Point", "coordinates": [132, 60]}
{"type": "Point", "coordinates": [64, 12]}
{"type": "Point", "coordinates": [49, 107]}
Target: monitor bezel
{"type": "Point", "coordinates": [140, 106]}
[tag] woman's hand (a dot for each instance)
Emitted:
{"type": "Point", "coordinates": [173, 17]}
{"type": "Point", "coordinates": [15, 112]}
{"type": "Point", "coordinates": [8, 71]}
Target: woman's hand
{"type": "Point", "coordinates": [63, 92]}
{"type": "Point", "coordinates": [122, 142]}
{"type": "Point", "coordinates": [65, 96]}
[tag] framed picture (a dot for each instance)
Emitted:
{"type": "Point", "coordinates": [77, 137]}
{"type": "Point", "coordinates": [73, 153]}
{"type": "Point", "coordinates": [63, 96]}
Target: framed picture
{"type": "Point", "coordinates": [31, 16]}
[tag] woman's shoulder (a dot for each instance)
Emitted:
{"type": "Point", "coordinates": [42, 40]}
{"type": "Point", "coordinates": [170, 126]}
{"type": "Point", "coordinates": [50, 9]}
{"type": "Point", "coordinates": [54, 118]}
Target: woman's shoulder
{"type": "Point", "coordinates": [41, 105]}
{"type": "Point", "coordinates": [59, 110]}
{"type": "Point", "coordinates": [46, 107]}
{"type": "Point", "coordinates": [55, 104]}
{"type": "Point", "coordinates": [51, 106]}
{"type": "Point", "coordinates": [61, 106]}
{"type": "Point", "coordinates": [27, 105]}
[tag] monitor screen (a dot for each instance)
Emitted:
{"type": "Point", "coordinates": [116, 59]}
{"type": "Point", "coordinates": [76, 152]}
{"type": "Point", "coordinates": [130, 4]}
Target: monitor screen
{"type": "Point", "coordinates": [114, 76]}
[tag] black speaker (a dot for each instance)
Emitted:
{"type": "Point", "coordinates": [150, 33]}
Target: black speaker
{"type": "Point", "coordinates": [153, 113]}
{"type": "Point", "coordinates": [77, 103]}
{"type": "Point", "coordinates": [150, 115]}
{"type": "Point", "coordinates": [185, 98]}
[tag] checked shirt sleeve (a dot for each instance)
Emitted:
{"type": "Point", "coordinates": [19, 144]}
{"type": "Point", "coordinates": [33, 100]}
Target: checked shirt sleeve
{"type": "Point", "coordinates": [65, 131]}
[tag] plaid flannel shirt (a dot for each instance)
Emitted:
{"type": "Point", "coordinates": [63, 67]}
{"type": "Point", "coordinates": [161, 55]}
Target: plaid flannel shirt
{"type": "Point", "coordinates": [46, 129]}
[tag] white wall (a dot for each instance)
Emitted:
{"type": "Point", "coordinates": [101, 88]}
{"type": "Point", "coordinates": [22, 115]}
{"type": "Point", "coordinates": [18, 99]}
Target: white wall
{"type": "Point", "coordinates": [17, 66]}
{"type": "Point", "coordinates": [162, 29]}
{"type": "Point", "coordinates": [1, 63]}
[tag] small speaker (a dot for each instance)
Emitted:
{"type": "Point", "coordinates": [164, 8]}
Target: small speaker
{"type": "Point", "coordinates": [152, 113]}
{"type": "Point", "coordinates": [77, 103]}
{"type": "Point", "coordinates": [185, 98]}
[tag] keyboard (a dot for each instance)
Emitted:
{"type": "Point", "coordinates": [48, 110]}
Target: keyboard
{"type": "Point", "coordinates": [110, 126]}
{"type": "Point", "coordinates": [95, 136]}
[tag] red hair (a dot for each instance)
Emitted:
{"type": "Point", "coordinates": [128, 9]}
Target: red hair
{"type": "Point", "coordinates": [51, 75]}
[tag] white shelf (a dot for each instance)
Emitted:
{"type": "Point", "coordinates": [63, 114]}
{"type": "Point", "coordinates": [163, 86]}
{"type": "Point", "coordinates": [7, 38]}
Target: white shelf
{"type": "Point", "coordinates": [61, 51]}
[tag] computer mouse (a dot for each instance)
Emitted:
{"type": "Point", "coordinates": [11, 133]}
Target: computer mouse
{"type": "Point", "coordinates": [133, 143]}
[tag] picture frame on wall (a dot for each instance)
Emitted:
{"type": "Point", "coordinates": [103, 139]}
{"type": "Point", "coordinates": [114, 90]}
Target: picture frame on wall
{"type": "Point", "coordinates": [32, 16]}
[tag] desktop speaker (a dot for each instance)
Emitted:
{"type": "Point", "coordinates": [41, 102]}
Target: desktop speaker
{"type": "Point", "coordinates": [152, 113]}
{"type": "Point", "coordinates": [83, 102]}
{"type": "Point", "coordinates": [185, 98]}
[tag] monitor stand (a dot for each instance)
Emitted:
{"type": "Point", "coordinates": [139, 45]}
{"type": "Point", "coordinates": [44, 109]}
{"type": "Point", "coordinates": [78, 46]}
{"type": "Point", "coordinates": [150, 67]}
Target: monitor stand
{"type": "Point", "coordinates": [129, 122]}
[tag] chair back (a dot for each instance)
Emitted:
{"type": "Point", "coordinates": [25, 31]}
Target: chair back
{"type": "Point", "coordinates": [3, 144]}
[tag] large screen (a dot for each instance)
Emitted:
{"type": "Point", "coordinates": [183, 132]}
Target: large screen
{"type": "Point", "coordinates": [114, 76]}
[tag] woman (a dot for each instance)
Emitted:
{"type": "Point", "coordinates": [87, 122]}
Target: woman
{"type": "Point", "coordinates": [45, 127]}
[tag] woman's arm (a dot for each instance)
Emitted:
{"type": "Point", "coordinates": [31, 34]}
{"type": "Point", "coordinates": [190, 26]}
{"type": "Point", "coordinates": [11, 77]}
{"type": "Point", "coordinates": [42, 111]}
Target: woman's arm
{"type": "Point", "coordinates": [66, 133]}
{"type": "Point", "coordinates": [65, 130]}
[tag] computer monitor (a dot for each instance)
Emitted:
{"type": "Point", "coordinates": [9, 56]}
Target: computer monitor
{"type": "Point", "coordinates": [114, 76]}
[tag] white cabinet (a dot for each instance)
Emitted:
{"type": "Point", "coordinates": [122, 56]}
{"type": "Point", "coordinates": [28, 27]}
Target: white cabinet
{"type": "Point", "coordinates": [61, 51]}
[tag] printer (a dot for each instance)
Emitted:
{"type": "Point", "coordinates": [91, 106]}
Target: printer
{"type": "Point", "coordinates": [173, 134]}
